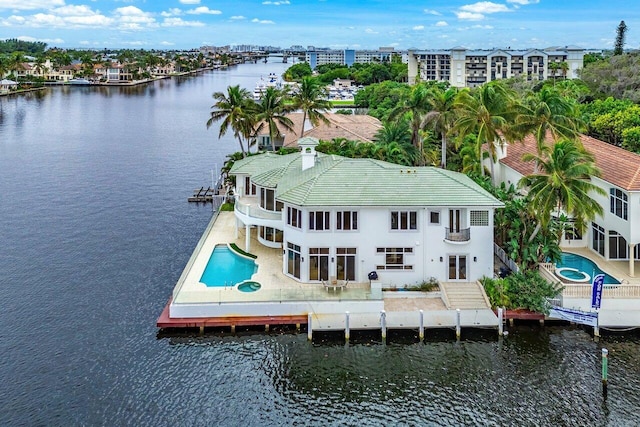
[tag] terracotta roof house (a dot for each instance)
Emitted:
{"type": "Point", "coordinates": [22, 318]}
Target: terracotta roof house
{"type": "Point", "coordinates": [344, 218]}
{"type": "Point", "coordinates": [616, 234]}
{"type": "Point", "coordinates": [355, 127]}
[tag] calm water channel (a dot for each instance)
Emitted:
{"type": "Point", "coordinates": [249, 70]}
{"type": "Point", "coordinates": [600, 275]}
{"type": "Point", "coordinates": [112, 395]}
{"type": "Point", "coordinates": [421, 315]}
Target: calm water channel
{"type": "Point", "coordinates": [94, 232]}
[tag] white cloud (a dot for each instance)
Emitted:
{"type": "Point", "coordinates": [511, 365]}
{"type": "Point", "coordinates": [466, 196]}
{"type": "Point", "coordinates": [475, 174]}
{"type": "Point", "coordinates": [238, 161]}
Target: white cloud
{"type": "Point", "coordinates": [523, 2]}
{"type": "Point", "coordinates": [441, 24]}
{"type": "Point", "coordinates": [202, 10]}
{"type": "Point", "coordinates": [165, 43]}
{"type": "Point", "coordinates": [179, 22]}
{"type": "Point", "coordinates": [237, 17]}
{"type": "Point", "coordinates": [262, 21]}
{"type": "Point", "coordinates": [130, 18]}
{"type": "Point", "coordinates": [370, 31]}
{"type": "Point", "coordinates": [432, 12]}
{"type": "Point", "coordinates": [171, 12]}
{"type": "Point", "coordinates": [418, 27]}
{"type": "Point", "coordinates": [483, 27]}
{"type": "Point", "coordinates": [468, 16]}
{"type": "Point", "coordinates": [71, 10]}
{"type": "Point", "coordinates": [277, 3]}
{"type": "Point", "coordinates": [33, 39]}
{"type": "Point", "coordinates": [30, 4]}
{"type": "Point", "coordinates": [484, 7]}
{"type": "Point", "coordinates": [190, 1]}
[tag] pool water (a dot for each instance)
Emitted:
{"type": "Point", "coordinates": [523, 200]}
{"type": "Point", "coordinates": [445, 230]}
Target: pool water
{"type": "Point", "coordinates": [585, 265]}
{"type": "Point", "coordinates": [249, 286]}
{"type": "Point", "coordinates": [225, 268]}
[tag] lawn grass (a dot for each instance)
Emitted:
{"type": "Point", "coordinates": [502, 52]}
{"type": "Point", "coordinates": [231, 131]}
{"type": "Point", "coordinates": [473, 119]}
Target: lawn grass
{"type": "Point", "coordinates": [341, 103]}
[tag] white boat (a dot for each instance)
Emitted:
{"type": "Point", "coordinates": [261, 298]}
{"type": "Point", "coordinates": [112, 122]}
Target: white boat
{"type": "Point", "coordinates": [77, 81]}
{"type": "Point", "coordinates": [262, 85]}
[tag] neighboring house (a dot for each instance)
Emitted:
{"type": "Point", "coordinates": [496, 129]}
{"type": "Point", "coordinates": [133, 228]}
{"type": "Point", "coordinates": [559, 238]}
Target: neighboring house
{"type": "Point", "coordinates": [357, 127]}
{"type": "Point", "coordinates": [339, 217]}
{"type": "Point", "coordinates": [7, 86]}
{"type": "Point", "coordinates": [614, 236]}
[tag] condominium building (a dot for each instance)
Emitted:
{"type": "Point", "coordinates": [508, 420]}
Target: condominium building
{"type": "Point", "coordinates": [471, 68]}
{"type": "Point", "coordinates": [315, 57]}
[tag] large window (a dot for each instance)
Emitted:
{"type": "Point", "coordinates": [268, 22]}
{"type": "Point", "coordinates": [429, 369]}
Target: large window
{"type": "Point", "coordinates": [319, 220]}
{"type": "Point", "coordinates": [617, 246]}
{"type": "Point", "coordinates": [249, 187]}
{"type": "Point", "coordinates": [268, 199]}
{"type": "Point", "coordinates": [346, 263]}
{"type": "Point", "coordinates": [294, 217]}
{"type": "Point", "coordinates": [404, 220]}
{"type": "Point", "coordinates": [394, 258]}
{"type": "Point", "coordinates": [618, 203]}
{"type": "Point", "coordinates": [597, 238]}
{"type": "Point", "coordinates": [318, 264]}
{"type": "Point", "coordinates": [271, 234]}
{"type": "Point", "coordinates": [347, 220]}
{"type": "Point", "coordinates": [293, 260]}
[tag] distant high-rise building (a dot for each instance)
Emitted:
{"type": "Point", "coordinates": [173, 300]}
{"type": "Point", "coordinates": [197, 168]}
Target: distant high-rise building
{"type": "Point", "coordinates": [462, 67]}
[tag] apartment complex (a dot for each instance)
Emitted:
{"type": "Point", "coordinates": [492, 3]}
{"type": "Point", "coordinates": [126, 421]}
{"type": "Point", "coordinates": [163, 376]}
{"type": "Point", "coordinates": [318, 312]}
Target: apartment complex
{"type": "Point", "coordinates": [471, 68]}
{"type": "Point", "coordinates": [348, 57]}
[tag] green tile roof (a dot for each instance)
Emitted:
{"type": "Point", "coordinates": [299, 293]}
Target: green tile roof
{"type": "Point", "coordinates": [340, 181]}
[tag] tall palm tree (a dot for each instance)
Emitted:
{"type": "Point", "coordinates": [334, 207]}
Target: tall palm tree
{"type": "Point", "coordinates": [548, 113]}
{"type": "Point", "coordinates": [554, 67]}
{"type": "Point", "coordinates": [233, 109]}
{"type": "Point", "coordinates": [442, 115]}
{"type": "Point", "coordinates": [415, 106]}
{"type": "Point", "coordinates": [487, 113]}
{"type": "Point", "coordinates": [271, 111]}
{"type": "Point", "coordinates": [564, 66]}
{"type": "Point", "coordinates": [311, 99]}
{"type": "Point", "coordinates": [563, 183]}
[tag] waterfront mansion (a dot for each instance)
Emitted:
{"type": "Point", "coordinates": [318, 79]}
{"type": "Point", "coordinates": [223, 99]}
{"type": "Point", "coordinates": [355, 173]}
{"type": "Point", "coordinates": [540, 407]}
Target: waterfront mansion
{"type": "Point", "coordinates": [340, 218]}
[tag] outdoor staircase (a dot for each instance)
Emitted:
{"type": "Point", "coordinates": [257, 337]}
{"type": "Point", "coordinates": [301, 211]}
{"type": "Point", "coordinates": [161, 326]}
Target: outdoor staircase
{"type": "Point", "coordinates": [464, 295]}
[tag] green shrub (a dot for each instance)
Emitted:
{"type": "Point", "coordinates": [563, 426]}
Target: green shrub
{"type": "Point", "coordinates": [241, 252]}
{"type": "Point", "coordinates": [526, 290]}
{"type": "Point", "coordinates": [226, 207]}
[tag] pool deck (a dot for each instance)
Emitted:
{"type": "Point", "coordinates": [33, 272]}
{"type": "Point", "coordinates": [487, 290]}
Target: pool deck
{"type": "Point", "coordinates": [620, 307]}
{"type": "Point", "coordinates": [283, 300]}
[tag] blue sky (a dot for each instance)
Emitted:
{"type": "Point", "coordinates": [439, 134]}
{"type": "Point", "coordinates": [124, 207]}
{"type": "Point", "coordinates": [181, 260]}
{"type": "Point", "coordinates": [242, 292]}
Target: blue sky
{"type": "Point", "coordinates": [365, 24]}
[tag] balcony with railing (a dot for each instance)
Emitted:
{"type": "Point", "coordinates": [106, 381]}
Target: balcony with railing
{"type": "Point", "coordinates": [249, 211]}
{"type": "Point", "coordinates": [462, 235]}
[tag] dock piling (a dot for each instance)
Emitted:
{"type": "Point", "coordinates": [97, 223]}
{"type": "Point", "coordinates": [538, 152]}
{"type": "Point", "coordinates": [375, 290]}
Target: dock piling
{"type": "Point", "coordinates": [383, 325]}
{"type": "Point", "coordinates": [309, 327]}
{"type": "Point", "coordinates": [500, 321]}
{"type": "Point", "coordinates": [421, 330]}
{"type": "Point", "coordinates": [458, 328]}
{"type": "Point", "coordinates": [605, 363]}
{"type": "Point", "coordinates": [346, 326]}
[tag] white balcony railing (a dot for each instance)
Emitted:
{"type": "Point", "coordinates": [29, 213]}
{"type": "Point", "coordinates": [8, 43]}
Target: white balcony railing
{"type": "Point", "coordinates": [254, 211]}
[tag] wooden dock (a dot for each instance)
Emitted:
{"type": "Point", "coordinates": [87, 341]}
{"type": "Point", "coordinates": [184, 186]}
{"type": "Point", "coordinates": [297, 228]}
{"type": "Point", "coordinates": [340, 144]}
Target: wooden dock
{"type": "Point", "coordinates": [203, 195]}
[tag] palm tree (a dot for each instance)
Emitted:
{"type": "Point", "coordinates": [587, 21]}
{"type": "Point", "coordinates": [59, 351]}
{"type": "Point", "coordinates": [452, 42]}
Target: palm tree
{"type": "Point", "coordinates": [564, 67]}
{"type": "Point", "coordinates": [548, 113]}
{"type": "Point", "coordinates": [311, 99]}
{"type": "Point", "coordinates": [271, 111]}
{"type": "Point", "coordinates": [563, 183]}
{"type": "Point", "coordinates": [233, 109]}
{"type": "Point", "coordinates": [394, 131]}
{"type": "Point", "coordinates": [415, 106]}
{"type": "Point", "coordinates": [487, 113]}
{"type": "Point", "coordinates": [554, 67]}
{"type": "Point", "coordinates": [442, 115]}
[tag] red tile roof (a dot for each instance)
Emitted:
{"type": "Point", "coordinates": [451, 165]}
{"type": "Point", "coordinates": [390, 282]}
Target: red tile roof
{"type": "Point", "coordinates": [619, 166]}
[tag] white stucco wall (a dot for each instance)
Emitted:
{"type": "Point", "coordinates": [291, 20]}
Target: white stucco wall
{"type": "Point", "coordinates": [374, 231]}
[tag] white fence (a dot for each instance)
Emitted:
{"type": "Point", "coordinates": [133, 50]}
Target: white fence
{"type": "Point", "coordinates": [500, 253]}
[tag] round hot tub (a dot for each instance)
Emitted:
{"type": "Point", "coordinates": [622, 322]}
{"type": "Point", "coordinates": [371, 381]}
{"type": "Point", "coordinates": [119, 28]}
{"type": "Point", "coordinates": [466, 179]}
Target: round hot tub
{"type": "Point", "coordinates": [249, 286]}
{"type": "Point", "coordinates": [572, 275]}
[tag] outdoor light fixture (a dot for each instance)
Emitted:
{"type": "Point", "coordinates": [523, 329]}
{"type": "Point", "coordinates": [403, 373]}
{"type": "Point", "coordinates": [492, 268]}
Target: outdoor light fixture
{"type": "Point", "coordinates": [475, 259]}
{"type": "Point", "coordinates": [440, 259]}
